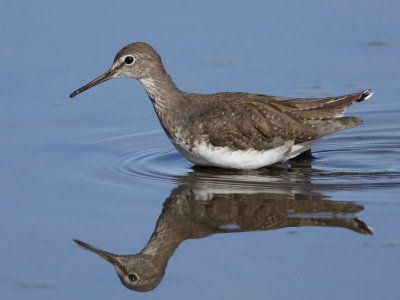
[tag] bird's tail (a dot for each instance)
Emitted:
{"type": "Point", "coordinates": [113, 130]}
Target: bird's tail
{"type": "Point", "coordinates": [366, 94]}
{"type": "Point", "coordinates": [337, 124]}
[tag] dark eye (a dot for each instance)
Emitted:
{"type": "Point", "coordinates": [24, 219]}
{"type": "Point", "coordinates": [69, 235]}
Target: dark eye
{"type": "Point", "coordinates": [128, 60]}
{"type": "Point", "coordinates": [132, 277]}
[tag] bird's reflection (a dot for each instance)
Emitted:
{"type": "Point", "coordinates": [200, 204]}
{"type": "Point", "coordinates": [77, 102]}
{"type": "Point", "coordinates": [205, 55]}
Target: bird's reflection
{"type": "Point", "coordinates": [199, 207]}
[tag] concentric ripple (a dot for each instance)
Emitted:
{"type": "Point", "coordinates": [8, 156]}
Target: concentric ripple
{"type": "Point", "coordinates": [163, 163]}
{"type": "Point", "coordinates": [125, 159]}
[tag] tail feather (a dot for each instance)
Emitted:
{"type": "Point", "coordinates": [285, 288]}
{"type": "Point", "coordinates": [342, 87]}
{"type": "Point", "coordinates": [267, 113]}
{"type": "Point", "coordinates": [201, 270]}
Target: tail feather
{"type": "Point", "coordinates": [338, 124]}
{"type": "Point", "coordinates": [366, 94]}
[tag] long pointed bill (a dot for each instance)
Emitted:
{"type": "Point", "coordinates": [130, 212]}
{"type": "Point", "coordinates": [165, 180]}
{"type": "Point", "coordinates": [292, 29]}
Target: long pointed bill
{"type": "Point", "coordinates": [106, 76]}
{"type": "Point", "coordinates": [112, 258]}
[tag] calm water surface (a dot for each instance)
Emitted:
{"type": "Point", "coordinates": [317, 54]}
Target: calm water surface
{"type": "Point", "coordinates": [101, 170]}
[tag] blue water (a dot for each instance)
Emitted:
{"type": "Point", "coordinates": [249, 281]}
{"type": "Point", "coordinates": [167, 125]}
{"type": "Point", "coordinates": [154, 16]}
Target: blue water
{"type": "Point", "coordinates": [99, 167]}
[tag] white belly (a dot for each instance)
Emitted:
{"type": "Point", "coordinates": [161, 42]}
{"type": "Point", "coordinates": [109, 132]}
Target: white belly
{"type": "Point", "coordinates": [224, 157]}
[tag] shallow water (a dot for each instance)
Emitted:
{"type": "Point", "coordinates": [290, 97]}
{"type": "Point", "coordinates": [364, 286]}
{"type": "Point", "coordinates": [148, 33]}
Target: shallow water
{"type": "Point", "coordinates": [100, 169]}
{"type": "Point", "coordinates": [331, 191]}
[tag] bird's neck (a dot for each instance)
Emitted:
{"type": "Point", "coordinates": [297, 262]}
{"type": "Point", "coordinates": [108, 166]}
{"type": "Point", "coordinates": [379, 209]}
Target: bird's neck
{"type": "Point", "coordinates": [162, 91]}
{"type": "Point", "coordinates": [161, 246]}
{"type": "Point", "coordinates": [171, 230]}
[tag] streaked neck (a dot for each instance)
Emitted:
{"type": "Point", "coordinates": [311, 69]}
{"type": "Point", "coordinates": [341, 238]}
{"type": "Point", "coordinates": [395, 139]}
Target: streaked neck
{"type": "Point", "coordinates": [161, 89]}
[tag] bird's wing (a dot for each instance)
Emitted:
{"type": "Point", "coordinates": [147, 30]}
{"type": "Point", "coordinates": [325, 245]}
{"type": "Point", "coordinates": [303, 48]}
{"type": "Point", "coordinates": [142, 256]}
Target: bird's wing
{"type": "Point", "coordinates": [253, 125]}
{"type": "Point", "coordinates": [242, 120]}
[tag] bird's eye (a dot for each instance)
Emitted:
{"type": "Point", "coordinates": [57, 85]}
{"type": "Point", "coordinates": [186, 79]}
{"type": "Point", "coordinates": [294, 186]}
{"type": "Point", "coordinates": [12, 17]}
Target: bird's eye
{"type": "Point", "coordinates": [128, 60]}
{"type": "Point", "coordinates": [132, 277]}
